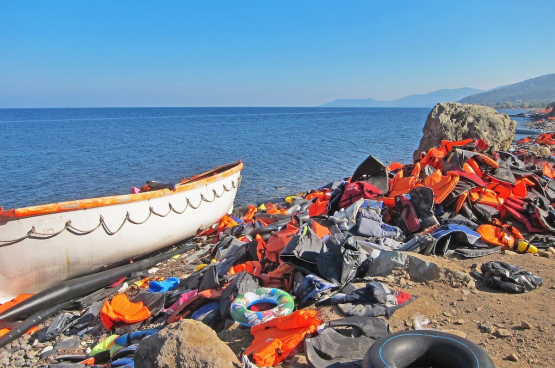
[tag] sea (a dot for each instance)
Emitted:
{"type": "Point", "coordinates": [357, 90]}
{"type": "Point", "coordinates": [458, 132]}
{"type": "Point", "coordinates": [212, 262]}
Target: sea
{"type": "Point", "coordinates": [55, 155]}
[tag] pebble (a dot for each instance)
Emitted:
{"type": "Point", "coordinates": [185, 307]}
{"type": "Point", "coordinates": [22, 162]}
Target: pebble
{"type": "Point", "coordinates": [513, 357]}
{"type": "Point", "coordinates": [5, 361]}
{"type": "Point", "coordinates": [503, 332]}
{"type": "Point", "coordinates": [466, 292]}
{"type": "Point", "coordinates": [471, 284]}
{"type": "Point", "coordinates": [460, 322]}
{"type": "Point", "coordinates": [487, 327]}
{"type": "Point", "coordinates": [26, 337]}
{"type": "Point", "coordinates": [447, 314]}
{"type": "Point", "coordinates": [4, 354]}
{"type": "Point", "coordinates": [525, 325]}
{"type": "Point", "coordinates": [31, 354]}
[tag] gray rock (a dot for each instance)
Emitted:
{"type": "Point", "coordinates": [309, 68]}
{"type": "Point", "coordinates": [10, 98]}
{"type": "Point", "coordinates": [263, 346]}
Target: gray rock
{"type": "Point", "coordinates": [455, 121]}
{"type": "Point", "coordinates": [525, 325]}
{"type": "Point", "coordinates": [31, 354]}
{"type": "Point", "coordinates": [503, 332]}
{"type": "Point", "coordinates": [421, 271]}
{"type": "Point", "coordinates": [187, 343]}
{"type": "Point", "coordinates": [18, 362]}
{"type": "Point", "coordinates": [26, 337]}
{"type": "Point", "coordinates": [513, 357]}
{"type": "Point", "coordinates": [487, 327]}
{"type": "Point", "coordinates": [68, 344]}
{"type": "Point", "coordinates": [47, 351]}
{"type": "Point", "coordinates": [384, 264]}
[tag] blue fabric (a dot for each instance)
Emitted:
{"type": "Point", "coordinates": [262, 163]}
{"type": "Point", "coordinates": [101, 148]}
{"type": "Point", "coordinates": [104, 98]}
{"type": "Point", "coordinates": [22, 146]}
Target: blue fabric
{"type": "Point", "coordinates": [162, 286]}
{"type": "Point", "coordinates": [205, 309]}
{"type": "Point", "coordinates": [129, 350]}
{"type": "Point", "coordinates": [124, 339]}
{"type": "Point", "coordinates": [313, 286]}
{"type": "Point", "coordinates": [445, 230]}
{"type": "Point", "coordinates": [125, 362]}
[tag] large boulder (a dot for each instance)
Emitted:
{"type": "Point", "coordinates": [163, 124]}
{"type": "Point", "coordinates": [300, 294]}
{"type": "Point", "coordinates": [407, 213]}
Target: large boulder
{"type": "Point", "coordinates": [455, 121]}
{"type": "Point", "coordinates": [187, 343]}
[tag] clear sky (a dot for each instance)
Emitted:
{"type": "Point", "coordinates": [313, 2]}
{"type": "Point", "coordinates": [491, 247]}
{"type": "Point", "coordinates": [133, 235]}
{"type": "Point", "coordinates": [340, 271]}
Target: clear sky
{"type": "Point", "coordinates": [83, 53]}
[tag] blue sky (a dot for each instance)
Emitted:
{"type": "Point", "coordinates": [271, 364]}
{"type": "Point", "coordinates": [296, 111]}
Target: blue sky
{"type": "Point", "coordinates": [263, 53]}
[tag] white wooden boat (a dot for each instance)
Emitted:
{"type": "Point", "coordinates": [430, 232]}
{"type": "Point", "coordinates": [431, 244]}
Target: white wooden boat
{"type": "Point", "coordinates": [42, 245]}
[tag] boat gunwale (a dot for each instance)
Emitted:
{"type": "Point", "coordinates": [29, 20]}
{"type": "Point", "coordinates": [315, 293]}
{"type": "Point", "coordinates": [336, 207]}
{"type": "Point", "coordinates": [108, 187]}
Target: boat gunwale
{"type": "Point", "coordinates": [51, 208]}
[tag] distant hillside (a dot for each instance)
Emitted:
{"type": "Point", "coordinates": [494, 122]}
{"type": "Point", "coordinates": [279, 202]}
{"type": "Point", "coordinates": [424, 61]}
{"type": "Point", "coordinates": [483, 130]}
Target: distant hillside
{"type": "Point", "coordinates": [535, 92]}
{"type": "Point", "coordinates": [425, 100]}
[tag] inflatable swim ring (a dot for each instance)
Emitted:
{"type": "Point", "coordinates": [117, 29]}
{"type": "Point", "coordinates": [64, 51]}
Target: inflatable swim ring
{"type": "Point", "coordinates": [240, 312]}
{"type": "Point", "coordinates": [423, 348]}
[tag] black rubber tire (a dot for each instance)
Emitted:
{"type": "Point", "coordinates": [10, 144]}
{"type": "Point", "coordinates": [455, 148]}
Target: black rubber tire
{"type": "Point", "coordinates": [424, 348]}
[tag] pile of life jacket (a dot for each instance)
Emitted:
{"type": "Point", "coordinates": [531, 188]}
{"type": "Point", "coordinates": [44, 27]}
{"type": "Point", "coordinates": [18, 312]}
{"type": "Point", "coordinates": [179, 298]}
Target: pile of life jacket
{"type": "Point", "coordinates": [461, 197]}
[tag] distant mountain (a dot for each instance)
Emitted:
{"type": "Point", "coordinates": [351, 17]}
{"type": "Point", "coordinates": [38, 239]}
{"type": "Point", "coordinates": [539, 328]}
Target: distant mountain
{"type": "Point", "coordinates": [531, 92]}
{"type": "Point", "coordinates": [425, 100]}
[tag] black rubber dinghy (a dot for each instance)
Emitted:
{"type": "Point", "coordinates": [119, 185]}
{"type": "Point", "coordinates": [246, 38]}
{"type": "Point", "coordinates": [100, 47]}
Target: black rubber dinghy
{"type": "Point", "coordinates": [423, 348]}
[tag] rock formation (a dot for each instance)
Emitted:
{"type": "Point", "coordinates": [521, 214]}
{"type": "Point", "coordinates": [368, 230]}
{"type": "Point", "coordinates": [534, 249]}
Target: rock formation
{"type": "Point", "coordinates": [455, 121]}
{"type": "Point", "coordinates": [187, 343]}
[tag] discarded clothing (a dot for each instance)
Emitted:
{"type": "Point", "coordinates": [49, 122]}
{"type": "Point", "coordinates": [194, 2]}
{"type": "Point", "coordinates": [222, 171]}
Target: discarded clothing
{"type": "Point", "coordinates": [500, 275]}
{"type": "Point", "coordinates": [345, 348]}
{"type": "Point", "coordinates": [369, 223]}
{"type": "Point", "coordinates": [162, 286]}
{"type": "Point", "coordinates": [339, 259]}
{"type": "Point", "coordinates": [375, 299]}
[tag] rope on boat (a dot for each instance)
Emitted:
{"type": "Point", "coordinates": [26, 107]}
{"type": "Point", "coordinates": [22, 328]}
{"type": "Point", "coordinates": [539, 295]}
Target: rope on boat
{"type": "Point", "coordinates": [101, 223]}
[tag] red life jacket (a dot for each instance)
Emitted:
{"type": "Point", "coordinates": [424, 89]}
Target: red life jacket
{"type": "Point", "coordinates": [357, 190]}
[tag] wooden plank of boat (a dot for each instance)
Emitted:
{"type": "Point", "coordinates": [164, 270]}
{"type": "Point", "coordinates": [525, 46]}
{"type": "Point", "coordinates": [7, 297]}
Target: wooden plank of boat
{"type": "Point", "coordinates": [42, 245]}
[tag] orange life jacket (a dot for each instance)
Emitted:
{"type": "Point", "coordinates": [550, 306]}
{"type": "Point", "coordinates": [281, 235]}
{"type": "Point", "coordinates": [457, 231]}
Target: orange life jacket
{"type": "Point", "coordinates": [486, 196]}
{"type": "Point", "coordinates": [7, 305]}
{"type": "Point", "coordinates": [248, 267]}
{"type": "Point", "coordinates": [449, 145]}
{"type": "Point", "coordinates": [121, 309]}
{"type": "Point", "coordinates": [277, 241]}
{"type": "Point", "coordinates": [249, 215]}
{"type": "Point", "coordinates": [497, 233]}
{"type": "Point", "coordinates": [275, 339]}
{"type": "Point", "coordinates": [433, 158]}
{"type": "Point", "coordinates": [395, 166]}
{"type": "Point", "coordinates": [548, 170]}
{"type": "Point", "coordinates": [319, 207]}
{"type": "Point", "coordinates": [441, 185]}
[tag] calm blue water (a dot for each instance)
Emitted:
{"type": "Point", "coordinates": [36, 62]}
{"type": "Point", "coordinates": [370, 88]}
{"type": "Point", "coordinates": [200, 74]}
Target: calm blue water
{"type": "Point", "coordinates": [53, 155]}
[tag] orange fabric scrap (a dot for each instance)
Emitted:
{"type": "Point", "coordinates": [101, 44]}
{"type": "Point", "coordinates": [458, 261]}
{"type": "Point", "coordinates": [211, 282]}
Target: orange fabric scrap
{"type": "Point", "coordinates": [120, 308]}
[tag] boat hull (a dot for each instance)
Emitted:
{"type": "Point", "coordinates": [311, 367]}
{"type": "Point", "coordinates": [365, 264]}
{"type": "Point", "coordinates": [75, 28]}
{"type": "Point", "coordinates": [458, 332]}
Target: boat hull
{"type": "Point", "coordinates": [56, 251]}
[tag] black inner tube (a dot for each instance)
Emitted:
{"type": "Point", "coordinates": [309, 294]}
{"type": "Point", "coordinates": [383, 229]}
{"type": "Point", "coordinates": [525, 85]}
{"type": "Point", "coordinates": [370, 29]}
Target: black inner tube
{"type": "Point", "coordinates": [423, 348]}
